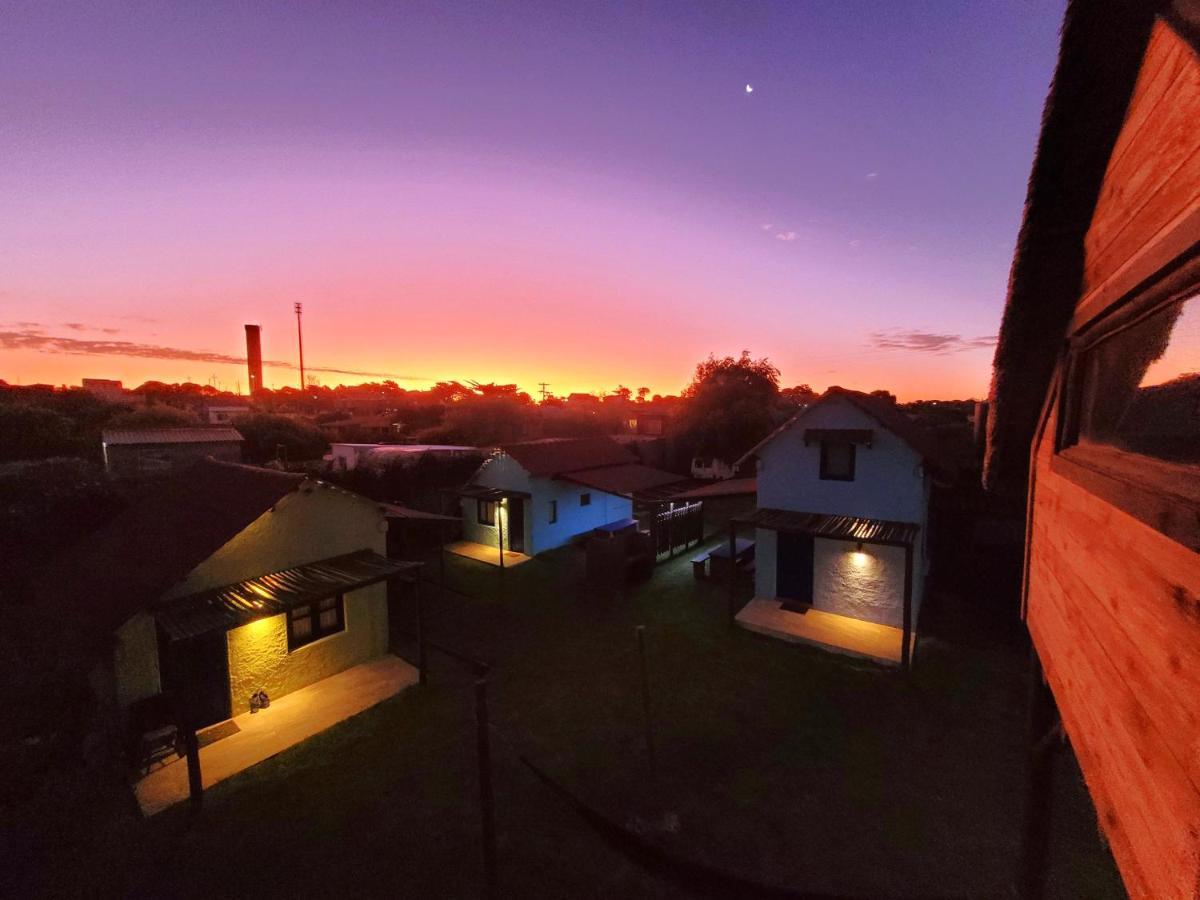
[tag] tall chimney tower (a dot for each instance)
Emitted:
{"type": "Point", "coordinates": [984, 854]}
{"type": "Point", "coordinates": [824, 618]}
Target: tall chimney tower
{"type": "Point", "coordinates": [254, 358]}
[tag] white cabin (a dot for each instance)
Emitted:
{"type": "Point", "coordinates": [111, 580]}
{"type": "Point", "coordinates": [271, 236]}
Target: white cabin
{"type": "Point", "coordinates": [841, 524]}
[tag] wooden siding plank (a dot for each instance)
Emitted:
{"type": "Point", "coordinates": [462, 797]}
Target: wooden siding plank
{"type": "Point", "coordinates": [1166, 57]}
{"type": "Point", "coordinates": [1155, 169]}
{"type": "Point", "coordinates": [1142, 608]}
{"type": "Point", "coordinates": [1113, 613]}
{"type": "Point", "coordinates": [1146, 805]}
{"type": "Point", "coordinates": [1158, 136]}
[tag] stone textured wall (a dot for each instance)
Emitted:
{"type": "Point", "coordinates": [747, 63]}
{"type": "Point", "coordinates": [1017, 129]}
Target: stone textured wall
{"type": "Point", "coordinates": [259, 657]}
{"type": "Point", "coordinates": [867, 585]}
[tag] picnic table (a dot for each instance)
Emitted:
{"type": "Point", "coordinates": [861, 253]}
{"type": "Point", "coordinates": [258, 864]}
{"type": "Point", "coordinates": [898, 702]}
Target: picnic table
{"type": "Point", "coordinates": [719, 557]}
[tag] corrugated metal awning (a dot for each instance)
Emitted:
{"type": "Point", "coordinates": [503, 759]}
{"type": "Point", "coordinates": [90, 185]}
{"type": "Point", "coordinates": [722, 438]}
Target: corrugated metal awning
{"type": "Point", "coordinates": [845, 528]}
{"type": "Point", "coordinates": [221, 609]}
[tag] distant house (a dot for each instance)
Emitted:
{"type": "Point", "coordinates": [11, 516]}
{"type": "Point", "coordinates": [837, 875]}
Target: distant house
{"type": "Point", "coordinates": [223, 414]}
{"type": "Point", "coordinates": [228, 579]}
{"type": "Point", "coordinates": [1095, 422]}
{"type": "Point", "coordinates": [840, 530]}
{"type": "Point", "coordinates": [145, 451]}
{"type": "Point", "coordinates": [537, 495]}
{"type": "Point", "coordinates": [106, 389]}
{"type": "Point", "coordinates": [366, 427]}
{"type": "Point", "coordinates": [346, 457]}
{"type": "Point", "coordinates": [711, 468]}
{"type": "Point", "coordinates": [651, 419]}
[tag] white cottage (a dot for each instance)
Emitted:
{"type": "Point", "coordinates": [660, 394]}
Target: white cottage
{"type": "Point", "coordinates": [840, 528]}
{"type": "Point", "coordinates": [537, 495]}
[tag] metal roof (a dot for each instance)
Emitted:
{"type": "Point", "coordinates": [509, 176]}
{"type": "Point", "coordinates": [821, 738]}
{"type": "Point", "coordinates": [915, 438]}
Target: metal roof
{"type": "Point", "coordinates": [221, 609]}
{"type": "Point", "coordinates": [196, 435]}
{"type": "Point", "coordinates": [730, 487]}
{"type": "Point", "coordinates": [845, 528]}
{"type": "Point", "coordinates": [624, 480]}
{"type": "Point", "coordinates": [549, 457]}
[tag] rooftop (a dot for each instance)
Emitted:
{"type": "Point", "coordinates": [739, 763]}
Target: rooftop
{"type": "Point", "coordinates": [555, 456]}
{"type": "Point", "coordinates": [189, 435]}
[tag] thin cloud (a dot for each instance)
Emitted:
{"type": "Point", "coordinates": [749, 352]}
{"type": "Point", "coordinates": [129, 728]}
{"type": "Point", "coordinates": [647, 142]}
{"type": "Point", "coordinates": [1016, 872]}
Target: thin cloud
{"type": "Point", "coordinates": [79, 326]}
{"type": "Point", "coordinates": [872, 175]}
{"type": "Point", "coordinates": [33, 339]}
{"type": "Point", "coordinates": [936, 343]}
{"type": "Point", "coordinates": [785, 236]}
{"type": "Point", "coordinates": [767, 226]}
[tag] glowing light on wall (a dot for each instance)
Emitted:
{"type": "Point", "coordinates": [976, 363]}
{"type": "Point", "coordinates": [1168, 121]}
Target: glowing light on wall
{"type": "Point", "coordinates": [859, 558]}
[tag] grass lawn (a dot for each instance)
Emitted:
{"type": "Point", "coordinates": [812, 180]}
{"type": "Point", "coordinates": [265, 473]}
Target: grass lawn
{"type": "Point", "coordinates": [786, 764]}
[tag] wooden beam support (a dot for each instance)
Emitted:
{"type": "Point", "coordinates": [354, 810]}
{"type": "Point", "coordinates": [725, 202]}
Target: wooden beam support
{"type": "Point", "coordinates": [420, 630]}
{"type": "Point", "coordinates": [195, 781]}
{"type": "Point", "coordinates": [906, 647]}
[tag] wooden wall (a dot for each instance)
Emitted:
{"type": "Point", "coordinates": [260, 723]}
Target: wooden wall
{"type": "Point", "coordinates": [1113, 605]}
{"type": "Point", "coordinates": [1153, 178]}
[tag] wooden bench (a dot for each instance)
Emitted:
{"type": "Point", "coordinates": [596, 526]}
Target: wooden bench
{"type": "Point", "coordinates": [698, 563]}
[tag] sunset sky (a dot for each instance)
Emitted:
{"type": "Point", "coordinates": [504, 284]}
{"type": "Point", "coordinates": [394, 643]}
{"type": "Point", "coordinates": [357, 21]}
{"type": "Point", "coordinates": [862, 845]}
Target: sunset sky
{"type": "Point", "coordinates": [582, 194]}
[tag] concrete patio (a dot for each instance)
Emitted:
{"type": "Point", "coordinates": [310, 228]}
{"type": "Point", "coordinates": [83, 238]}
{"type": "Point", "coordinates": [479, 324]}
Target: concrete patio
{"type": "Point", "coordinates": [289, 720]}
{"type": "Point", "coordinates": [486, 554]}
{"type": "Point", "coordinates": [830, 631]}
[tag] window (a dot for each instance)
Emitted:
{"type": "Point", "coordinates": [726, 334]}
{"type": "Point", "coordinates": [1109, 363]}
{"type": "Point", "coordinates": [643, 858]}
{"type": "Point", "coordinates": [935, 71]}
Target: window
{"type": "Point", "coordinates": [1139, 387]}
{"type": "Point", "coordinates": [1130, 428]}
{"type": "Point", "coordinates": [553, 511]}
{"type": "Point", "coordinates": [485, 512]}
{"type": "Point", "coordinates": [585, 499]}
{"type": "Point", "coordinates": [837, 461]}
{"type": "Point", "coordinates": [314, 621]}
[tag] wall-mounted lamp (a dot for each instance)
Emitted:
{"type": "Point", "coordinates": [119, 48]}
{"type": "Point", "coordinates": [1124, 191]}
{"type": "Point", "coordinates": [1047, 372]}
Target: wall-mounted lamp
{"type": "Point", "coordinates": [858, 557]}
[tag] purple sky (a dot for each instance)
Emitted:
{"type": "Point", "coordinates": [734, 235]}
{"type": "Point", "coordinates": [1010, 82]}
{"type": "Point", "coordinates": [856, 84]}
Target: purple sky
{"type": "Point", "coordinates": [578, 193]}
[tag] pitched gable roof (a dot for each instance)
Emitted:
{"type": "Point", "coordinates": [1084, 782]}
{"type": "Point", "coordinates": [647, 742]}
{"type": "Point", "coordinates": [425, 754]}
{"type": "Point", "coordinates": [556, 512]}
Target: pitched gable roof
{"type": "Point", "coordinates": [882, 411]}
{"type": "Point", "coordinates": [159, 538]}
{"type": "Point", "coordinates": [556, 456]}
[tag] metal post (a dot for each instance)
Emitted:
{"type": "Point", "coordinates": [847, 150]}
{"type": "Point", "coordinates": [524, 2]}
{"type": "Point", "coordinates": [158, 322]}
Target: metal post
{"type": "Point", "coordinates": [641, 640]}
{"type": "Point", "coordinates": [732, 570]}
{"type": "Point", "coordinates": [1040, 784]}
{"type": "Point", "coordinates": [487, 809]}
{"type": "Point", "coordinates": [906, 646]}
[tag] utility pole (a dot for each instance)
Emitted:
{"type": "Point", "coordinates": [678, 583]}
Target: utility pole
{"type": "Point", "coordinates": [300, 338]}
{"type": "Point", "coordinates": [545, 393]}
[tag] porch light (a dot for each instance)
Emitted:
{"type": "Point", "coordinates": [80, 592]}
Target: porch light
{"type": "Point", "coordinates": [858, 557]}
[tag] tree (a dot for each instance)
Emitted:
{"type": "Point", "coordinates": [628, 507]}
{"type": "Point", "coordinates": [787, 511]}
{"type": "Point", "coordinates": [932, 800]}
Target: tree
{"type": "Point", "coordinates": [46, 505]}
{"type": "Point", "coordinates": [622, 393]}
{"type": "Point", "coordinates": [266, 436]}
{"type": "Point", "coordinates": [885, 395]}
{"type": "Point", "coordinates": [730, 405]}
{"type": "Point", "coordinates": [800, 395]}
{"type": "Point", "coordinates": [34, 432]}
{"type": "Point", "coordinates": [642, 393]}
{"type": "Point", "coordinates": [154, 417]}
